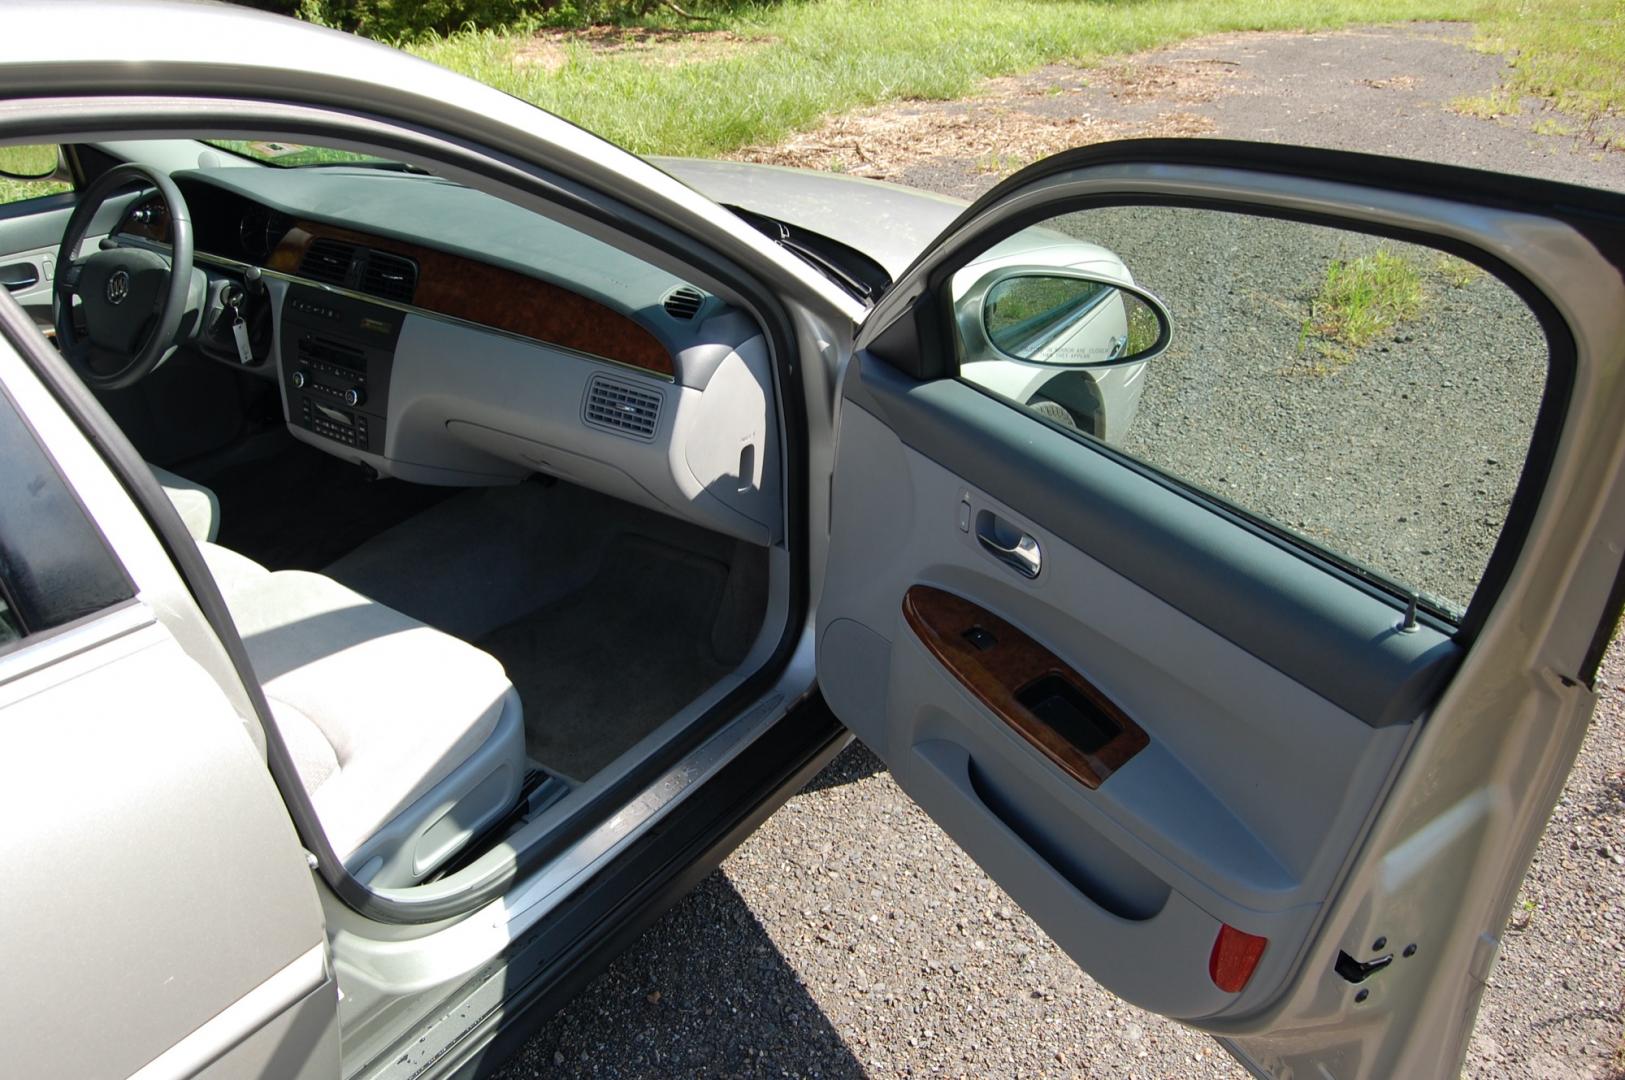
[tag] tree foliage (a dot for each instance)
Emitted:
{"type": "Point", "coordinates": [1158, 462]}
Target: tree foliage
{"type": "Point", "coordinates": [407, 20]}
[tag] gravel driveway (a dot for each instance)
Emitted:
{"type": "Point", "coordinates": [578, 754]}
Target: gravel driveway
{"type": "Point", "coordinates": [850, 937]}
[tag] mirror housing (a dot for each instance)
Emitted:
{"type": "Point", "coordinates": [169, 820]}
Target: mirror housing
{"type": "Point", "coordinates": [1068, 318]}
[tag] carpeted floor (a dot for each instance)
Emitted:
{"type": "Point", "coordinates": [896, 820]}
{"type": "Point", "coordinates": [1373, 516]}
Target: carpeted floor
{"type": "Point", "coordinates": [601, 668]}
{"type": "Point", "coordinates": [609, 618]}
{"type": "Point", "coordinates": [301, 508]}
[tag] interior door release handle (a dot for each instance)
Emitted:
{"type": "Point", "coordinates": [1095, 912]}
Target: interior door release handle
{"type": "Point", "coordinates": [1008, 544]}
{"type": "Point", "coordinates": [19, 276]}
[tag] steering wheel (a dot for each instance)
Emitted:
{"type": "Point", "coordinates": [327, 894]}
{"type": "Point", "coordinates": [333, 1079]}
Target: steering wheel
{"type": "Point", "coordinates": [133, 300]}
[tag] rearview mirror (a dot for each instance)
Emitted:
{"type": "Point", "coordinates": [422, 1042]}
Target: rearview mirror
{"type": "Point", "coordinates": [35, 162]}
{"type": "Point", "coordinates": [1072, 319]}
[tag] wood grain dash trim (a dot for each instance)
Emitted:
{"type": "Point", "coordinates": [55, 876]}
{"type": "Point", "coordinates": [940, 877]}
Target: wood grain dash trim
{"type": "Point", "coordinates": [998, 674]}
{"type": "Point", "coordinates": [502, 299]}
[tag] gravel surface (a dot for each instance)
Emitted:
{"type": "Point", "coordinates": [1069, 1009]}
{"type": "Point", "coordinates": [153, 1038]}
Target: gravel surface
{"type": "Point", "coordinates": [850, 937]}
{"type": "Point", "coordinates": [1362, 450]}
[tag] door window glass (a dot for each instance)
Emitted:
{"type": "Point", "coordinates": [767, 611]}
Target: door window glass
{"type": "Point", "coordinates": [29, 172]}
{"type": "Point", "coordinates": [1372, 398]}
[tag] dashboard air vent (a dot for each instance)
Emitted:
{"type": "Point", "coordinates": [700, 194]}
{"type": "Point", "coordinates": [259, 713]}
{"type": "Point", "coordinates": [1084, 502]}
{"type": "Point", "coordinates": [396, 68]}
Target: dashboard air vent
{"type": "Point", "coordinates": [392, 277]}
{"type": "Point", "coordinates": [684, 302]}
{"type": "Point", "coordinates": [327, 261]}
{"type": "Point", "coordinates": [621, 407]}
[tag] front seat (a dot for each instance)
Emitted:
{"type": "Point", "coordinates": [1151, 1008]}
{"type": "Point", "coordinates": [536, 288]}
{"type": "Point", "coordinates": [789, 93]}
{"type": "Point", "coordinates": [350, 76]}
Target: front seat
{"type": "Point", "coordinates": [196, 504]}
{"type": "Point", "coordinates": [409, 741]}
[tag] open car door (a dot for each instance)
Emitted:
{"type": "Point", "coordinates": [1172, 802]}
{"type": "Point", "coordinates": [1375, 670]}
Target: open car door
{"type": "Point", "coordinates": [1259, 708]}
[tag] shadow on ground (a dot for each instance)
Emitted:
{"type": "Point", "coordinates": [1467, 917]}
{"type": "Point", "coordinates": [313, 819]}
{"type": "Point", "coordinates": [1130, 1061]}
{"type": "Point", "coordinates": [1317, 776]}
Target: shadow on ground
{"type": "Point", "coordinates": [704, 992]}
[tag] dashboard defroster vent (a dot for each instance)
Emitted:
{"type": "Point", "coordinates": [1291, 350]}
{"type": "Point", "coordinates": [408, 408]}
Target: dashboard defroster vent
{"type": "Point", "coordinates": [684, 302]}
{"type": "Point", "coordinates": [328, 261]}
{"type": "Point", "coordinates": [619, 406]}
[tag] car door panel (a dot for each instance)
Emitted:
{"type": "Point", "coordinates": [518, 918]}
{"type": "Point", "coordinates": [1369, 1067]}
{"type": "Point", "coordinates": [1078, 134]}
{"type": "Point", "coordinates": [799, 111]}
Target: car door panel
{"type": "Point", "coordinates": [174, 929]}
{"type": "Point", "coordinates": [30, 234]}
{"type": "Point", "coordinates": [1336, 776]}
{"type": "Point", "coordinates": [1185, 824]}
{"type": "Point", "coordinates": [166, 893]}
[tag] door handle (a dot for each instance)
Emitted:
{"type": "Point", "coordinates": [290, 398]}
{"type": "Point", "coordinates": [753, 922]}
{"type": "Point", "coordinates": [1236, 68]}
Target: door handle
{"type": "Point", "coordinates": [19, 276]}
{"type": "Point", "coordinates": [1008, 544]}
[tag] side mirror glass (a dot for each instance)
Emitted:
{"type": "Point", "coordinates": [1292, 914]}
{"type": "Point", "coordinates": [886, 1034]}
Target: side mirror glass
{"type": "Point", "coordinates": [34, 162]}
{"type": "Point", "coordinates": [1074, 320]}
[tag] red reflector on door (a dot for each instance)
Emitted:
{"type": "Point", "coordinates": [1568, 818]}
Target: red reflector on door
{"type": "Point", "coordinates": [1235, 955]}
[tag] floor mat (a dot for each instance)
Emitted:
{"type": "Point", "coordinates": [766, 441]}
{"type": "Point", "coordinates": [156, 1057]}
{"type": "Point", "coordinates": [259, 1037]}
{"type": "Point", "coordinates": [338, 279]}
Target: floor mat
{"type": "Point", "coordinates": [301, 508]}
{"type": "Point", "coordinates": [602, 667]}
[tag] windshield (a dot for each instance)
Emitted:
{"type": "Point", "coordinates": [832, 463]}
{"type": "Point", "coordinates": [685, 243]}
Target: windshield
{"type": "Point", "coordinates": [286, 155]}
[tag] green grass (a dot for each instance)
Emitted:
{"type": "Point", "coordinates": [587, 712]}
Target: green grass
{"type": "Point", "coordinates": [810, 58]}
{"type": "Point", "coordinates": [1502, 101]}
{"type": "Point", "coordinates": [1456, 272]}
{"type": "Point", "coordinates": [27, 161]}
{"type": "Point", "coordinates": [1362, 298]}
{"type": "Point", "coordinates": [1570, 53]}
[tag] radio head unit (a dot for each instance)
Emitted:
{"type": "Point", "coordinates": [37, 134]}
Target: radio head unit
{"type": "Point", "coordinates": [337, 351]}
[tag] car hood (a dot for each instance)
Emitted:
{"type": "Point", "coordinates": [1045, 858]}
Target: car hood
{"type": "Point", "coordinates": [889, 223]}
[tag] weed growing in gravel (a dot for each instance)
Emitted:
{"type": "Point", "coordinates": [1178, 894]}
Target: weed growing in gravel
{"type": "Point", "coordinates": [1362, 297]}
{"type": "Point", "coordinates": [1502, 101]}
{"type": "Point", "coordinates": [1548, 126]}
{"type": "Point", "coordinates": [1457, 273]}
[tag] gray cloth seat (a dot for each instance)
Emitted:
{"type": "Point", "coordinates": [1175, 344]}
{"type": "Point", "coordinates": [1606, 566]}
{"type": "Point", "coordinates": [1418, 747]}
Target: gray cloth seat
{"type": "Point", "coordinates": [409, 741]}
{"type": "Point", "coordinates": [196, 504]}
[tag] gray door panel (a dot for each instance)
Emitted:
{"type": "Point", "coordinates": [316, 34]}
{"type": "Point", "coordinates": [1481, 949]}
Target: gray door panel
{"type": "Point", "coordinates": [1329, 635]}
{"type": "Point", "coordinates": [159, 888]}
{"type": "Point", "coordinates": [134, 794]}
{"type": "Point", "coordinates": [1188, 732]}
{"type": "Point", "coordinates": [30, 233]}
{"type": "Point", "coordinates": [1241, 808]}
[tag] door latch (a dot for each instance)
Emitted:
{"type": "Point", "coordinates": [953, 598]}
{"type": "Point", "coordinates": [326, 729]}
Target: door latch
{"type": "Point", "coordinates": [1358, 971]}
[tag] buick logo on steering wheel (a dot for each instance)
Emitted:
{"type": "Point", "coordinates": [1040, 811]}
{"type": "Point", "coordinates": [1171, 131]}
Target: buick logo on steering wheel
{"type": "Point", "coordinates": [118, 286]}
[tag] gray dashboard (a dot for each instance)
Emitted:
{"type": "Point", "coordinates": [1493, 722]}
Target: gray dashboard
{"type": "Point", "coordinates": [417, 387]}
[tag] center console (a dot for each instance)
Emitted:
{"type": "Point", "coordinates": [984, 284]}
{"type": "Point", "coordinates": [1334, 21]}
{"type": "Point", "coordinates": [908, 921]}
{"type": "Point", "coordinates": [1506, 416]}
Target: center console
{"type": "Point", "coordinates": [337, 352]}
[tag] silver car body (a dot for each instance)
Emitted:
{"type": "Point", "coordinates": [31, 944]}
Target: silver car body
{"type": "Point", "coordinates": [895, 228]}
{"type": "Point", "coordinates": [160, 890]}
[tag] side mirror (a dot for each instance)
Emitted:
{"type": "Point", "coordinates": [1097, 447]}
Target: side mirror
{"type": "Point", "coordinates": [1066, 318]}
{"type": "Point", "coordinates": [34, 162]}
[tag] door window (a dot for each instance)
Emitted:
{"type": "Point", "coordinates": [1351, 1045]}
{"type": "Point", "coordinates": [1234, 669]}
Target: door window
{"type": "Point", "coordinates": [30, 172]}
{"type": "Point", "coordinates": [1371, 398]}
{"type": "Point", "coordinates": [55, 566]}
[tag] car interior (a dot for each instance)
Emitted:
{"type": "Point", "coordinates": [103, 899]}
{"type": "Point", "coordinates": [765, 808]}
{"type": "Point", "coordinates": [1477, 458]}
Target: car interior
{"type": "Point", "coordinates": [494, 505]}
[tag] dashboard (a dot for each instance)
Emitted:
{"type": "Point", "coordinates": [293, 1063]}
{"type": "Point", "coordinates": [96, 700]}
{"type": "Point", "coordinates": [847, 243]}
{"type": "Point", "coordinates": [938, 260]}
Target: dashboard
{"type": "Point", "coordinates": [445, 336]}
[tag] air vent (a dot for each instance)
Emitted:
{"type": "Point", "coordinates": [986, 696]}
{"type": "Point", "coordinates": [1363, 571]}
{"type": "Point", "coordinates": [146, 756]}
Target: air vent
{"type": "Point", "coordinates": [328, 261]}
{"type": "Point", "coordinates": [684, 302]}
{"type": "Point", "coordinates": [621, 407]}
{"type": "Point", "coordinates": [392, 277]}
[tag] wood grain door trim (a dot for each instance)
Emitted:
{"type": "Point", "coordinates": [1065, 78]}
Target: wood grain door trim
{"type": "Point", "coordinates": [1009, 663]}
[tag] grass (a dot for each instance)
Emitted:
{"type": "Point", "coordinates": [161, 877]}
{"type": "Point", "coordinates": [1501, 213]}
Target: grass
{"type": "Point", "coordinates": [1570, 53]}
{"type": "Point", "coordinates": [27, 161]}
{"type": "Point", "coordinates": [1455, 272]}
{"type": "Point", "coordinates": [1362, 298]}
{"type": "Point", "coordinates": [805, 59]}
{"type": "Point", "coordinates": [1502, 101]}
